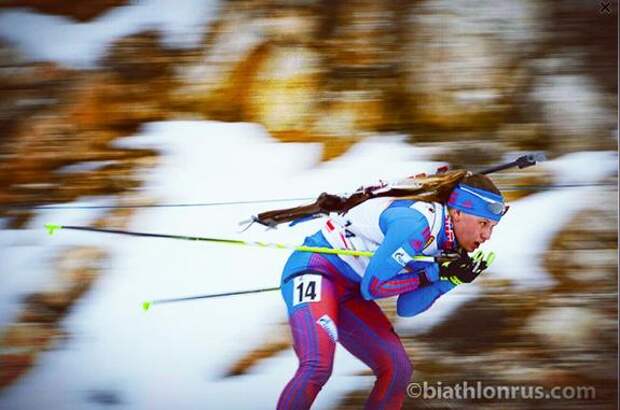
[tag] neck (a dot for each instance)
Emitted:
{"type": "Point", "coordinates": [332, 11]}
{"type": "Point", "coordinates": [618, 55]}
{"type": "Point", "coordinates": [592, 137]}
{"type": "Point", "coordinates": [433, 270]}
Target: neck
{"type": "Point", "coordinates": [450, 242]}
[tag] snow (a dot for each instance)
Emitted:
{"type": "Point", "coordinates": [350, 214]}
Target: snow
{"type": "Point", "coordinates": [184, 347]}
{"type": "Point", "coordinates": [84, 167]}
{"type": "Point", "coordinates": [573, 105]}
{"type": "Point", "coordinates": [526, 231]}
{"type": "Point", "coordinates": [583, 167]}
{"type": "Point", "coordinates": [42, 37]}
{"type": "Point", "coordinates": [174, 356]}
{"type": "Point", "coordinates": [293, 62]}
{"type": "Point", "coordinates": [27, 261]}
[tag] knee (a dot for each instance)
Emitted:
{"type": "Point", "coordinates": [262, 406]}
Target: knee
{"type": "Point", "coordinates": [403, 363]}
{"type": "Point", "coordinates": [397, 366]}
{"type": "Point", "coordinates": [407, 368]}
{"type": "Point", "coordinates": [318, 371]}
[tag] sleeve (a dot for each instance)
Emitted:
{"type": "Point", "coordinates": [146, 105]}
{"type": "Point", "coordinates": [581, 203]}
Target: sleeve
{"type": "Point", "coordinates": [404, 229]}
{"type": "Point", "coordinates": [417, 301]}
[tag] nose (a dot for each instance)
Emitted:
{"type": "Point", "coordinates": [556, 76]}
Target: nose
{"type": "Point", "coordinates": [485, 234]}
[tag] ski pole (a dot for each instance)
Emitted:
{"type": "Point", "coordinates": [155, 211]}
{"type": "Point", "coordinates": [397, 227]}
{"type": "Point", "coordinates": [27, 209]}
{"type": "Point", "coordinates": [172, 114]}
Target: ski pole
{"type": "Point", "coordinates": [146, 305]}
{"type": "Point", "coordinates": [52, 228]}
{"type": "Point", "coordinates": [478, 257]}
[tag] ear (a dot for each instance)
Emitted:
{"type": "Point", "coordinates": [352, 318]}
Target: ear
{"type": "Point", "coordinates": [455, 214]}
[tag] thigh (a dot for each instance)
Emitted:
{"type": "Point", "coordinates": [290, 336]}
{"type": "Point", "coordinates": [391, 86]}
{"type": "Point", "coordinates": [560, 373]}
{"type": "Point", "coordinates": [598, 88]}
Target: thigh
{"type": "Point", "coordinates": [312, 303]}
{"type": "Point", "coordinates": [367, 333]}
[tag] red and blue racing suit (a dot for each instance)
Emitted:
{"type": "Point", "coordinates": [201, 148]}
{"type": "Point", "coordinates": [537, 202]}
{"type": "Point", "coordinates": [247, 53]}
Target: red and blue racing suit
{"type": "Point", "coordinates": [330, 298]}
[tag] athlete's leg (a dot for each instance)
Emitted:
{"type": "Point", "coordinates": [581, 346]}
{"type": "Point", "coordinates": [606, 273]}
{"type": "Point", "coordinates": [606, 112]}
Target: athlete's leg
{"type": "Point", "coordinates": [366, 332]}
{"type": "Point", "coordinates": [312, 302]}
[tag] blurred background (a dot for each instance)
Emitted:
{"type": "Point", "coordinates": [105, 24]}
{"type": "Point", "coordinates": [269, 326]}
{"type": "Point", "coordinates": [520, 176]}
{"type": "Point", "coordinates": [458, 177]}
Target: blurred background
{"type": "Point", "coordinates": [127, 114]}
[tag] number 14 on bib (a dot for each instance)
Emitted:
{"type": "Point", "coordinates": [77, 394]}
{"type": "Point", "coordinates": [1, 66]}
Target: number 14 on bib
{"type": "Point", "coordinates": [306, 288]}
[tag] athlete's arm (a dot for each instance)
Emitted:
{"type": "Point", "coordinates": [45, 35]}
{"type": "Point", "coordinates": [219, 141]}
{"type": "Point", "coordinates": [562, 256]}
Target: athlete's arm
{"type": "Point", "coordinates": [419, 300]}
{"type": "Point", "coordinates": [406, 231]}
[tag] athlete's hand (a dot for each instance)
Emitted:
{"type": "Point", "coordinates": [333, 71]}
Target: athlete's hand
{"type": "Point", "coordinates": [466, 268]}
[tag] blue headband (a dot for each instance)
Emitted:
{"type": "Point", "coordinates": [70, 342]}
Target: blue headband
{"type": "Point", "coordinates": [478, 202]}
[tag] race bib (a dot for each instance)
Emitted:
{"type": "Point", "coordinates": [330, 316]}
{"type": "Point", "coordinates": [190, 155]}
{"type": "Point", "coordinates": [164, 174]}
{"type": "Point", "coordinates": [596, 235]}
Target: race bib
{"type": "Point", "coordinates": [306, 288]}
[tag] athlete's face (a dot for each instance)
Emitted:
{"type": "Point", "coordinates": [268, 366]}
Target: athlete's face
{"type": "Point", "coordinates": [471, 231]}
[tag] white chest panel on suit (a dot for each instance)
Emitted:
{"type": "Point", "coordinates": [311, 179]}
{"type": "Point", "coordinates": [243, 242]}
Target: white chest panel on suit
{"type": "Point", "coordinates": [359, 229]}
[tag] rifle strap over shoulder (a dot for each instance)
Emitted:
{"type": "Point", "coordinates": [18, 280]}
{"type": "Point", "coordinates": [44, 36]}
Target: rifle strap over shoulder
{"type": "Point", "coordinates": [433, 188]}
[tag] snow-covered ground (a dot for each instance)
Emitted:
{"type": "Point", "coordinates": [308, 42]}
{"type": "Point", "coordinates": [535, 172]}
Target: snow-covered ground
{"type": "Point", "coordinates": [174, 355]}
{"type": "Point", "coordinates": [42, 37]}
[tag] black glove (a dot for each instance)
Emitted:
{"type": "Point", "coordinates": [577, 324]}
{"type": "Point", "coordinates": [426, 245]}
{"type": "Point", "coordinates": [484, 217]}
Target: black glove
{"type": "Point", "coordinates": [465, 269]}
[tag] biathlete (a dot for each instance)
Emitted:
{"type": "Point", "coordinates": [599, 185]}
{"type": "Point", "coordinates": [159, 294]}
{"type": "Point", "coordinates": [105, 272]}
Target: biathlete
{"type": "Point", "coordinates": [330, 298]}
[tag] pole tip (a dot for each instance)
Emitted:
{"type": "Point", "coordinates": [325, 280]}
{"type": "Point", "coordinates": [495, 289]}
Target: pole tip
{"type": "Point", "coordinates": [146, 305]}
{"type": "Point", "coordinates": [51, 228]}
